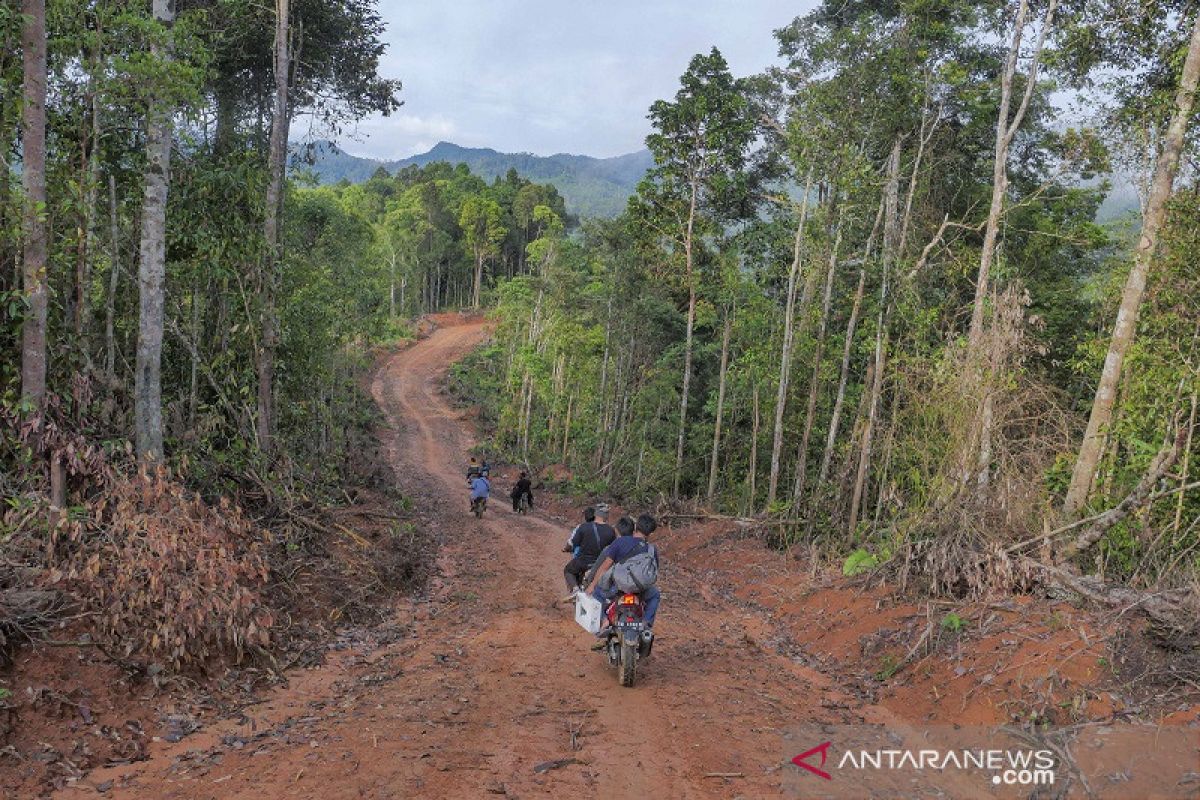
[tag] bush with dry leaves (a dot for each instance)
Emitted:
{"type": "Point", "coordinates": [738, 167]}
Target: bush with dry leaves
{"type": "Point", "coordinates": [169, 579]}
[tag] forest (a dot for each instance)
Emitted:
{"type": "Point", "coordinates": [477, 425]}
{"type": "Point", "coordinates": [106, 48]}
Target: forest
{"type": "Point", "coordinates": [861, 298]}
{"type": "Point", "coordinates": [864, 296]}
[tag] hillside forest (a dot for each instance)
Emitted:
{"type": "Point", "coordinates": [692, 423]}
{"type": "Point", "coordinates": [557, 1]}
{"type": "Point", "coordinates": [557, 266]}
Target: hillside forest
{"type": "Point", "coordinates": [861, 298]}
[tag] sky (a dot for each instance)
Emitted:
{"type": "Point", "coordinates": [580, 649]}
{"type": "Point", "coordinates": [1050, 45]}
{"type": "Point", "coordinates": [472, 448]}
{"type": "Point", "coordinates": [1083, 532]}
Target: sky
{"type": "Point", "coordinates": [552, 77]}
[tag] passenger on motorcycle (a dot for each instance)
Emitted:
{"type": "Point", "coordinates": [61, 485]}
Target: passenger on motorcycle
{"type": "Point", "coordinates": [524, 488]}
{"type": "Point", "coordinates": [587, 541]}
{"type": "Point", "coordinates": [625, 547]}
{"type": "Point", "coordinates": [473, 470]}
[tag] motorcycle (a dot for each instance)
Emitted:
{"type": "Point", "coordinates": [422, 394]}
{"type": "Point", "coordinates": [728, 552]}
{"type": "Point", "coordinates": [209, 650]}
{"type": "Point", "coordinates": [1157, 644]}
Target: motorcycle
{"type": "Point", "coordinates": [478, 505]}
{"type": "Point", "coordinates": [523, 504]}
{"type": "Point", "coordinates": [628, 639]}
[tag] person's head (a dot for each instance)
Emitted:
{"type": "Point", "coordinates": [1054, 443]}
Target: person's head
{"type": "Point", "coordinates": [473, 461]}
{"type": "Point", "coordinates": [524, 474]}
{"type": "Point", "coordinates": [602, 512]}
{"type": "Point", "coordinates": [589, 514]}
{"type": "Point", "coordinates": [646, 525]}
{"type": "Point", "coordinates": [625, 526]}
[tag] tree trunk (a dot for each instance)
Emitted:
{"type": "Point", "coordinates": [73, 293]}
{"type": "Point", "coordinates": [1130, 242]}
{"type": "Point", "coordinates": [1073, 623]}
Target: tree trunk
{"type": "Point", "coordinates": [847, 352]}
{"type": "Point", "coordinates": [477, 291]}
{"type": "Point", "coordinates": [277, 162]}
{"type": "Point", "coordinates": [1135, 285]}
{"type": "Point", "coordinates": [785, 356]}
{"type": "Point", "coordinates": [114, 276]}
{"type": "Point", "coordinates": [147, 393]}
{"type": "Point", "coordinates": [814, 381]}
{"type": "Point", "coordinates": [716, 445]}
{"type": "Point", "coordinates": [752, 467]}
{"type": "Point", "coordinates": [33, 178]}
{"type": "Point", "coordinates": [890, 242]}
{"type": "Point", "coordinates": [687, 347]}
{"type": "Point", "coordinates": [1005, 130]}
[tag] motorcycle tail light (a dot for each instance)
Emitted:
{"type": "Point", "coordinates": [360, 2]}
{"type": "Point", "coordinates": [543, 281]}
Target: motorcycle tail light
{"type": "Point", "coordinates": [629, 600]}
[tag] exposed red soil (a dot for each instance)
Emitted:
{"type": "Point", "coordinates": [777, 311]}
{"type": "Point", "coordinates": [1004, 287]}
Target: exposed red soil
{"type": "Point", "coordinates": [475, 688]}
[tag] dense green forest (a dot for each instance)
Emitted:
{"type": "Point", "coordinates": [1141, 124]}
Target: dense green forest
{"type": "Point", "coordinates": [901, 354]}
{"type": "Point", "coordinates": [861, 296]}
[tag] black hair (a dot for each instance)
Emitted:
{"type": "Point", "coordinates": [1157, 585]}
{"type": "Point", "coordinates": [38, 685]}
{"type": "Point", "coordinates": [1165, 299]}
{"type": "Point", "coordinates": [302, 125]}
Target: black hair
{"type": "Point", "coordinates": [646, 524]}
{"type": "Point", "coordinates": [625, 526]}
{"type": "Point", "coordinates": [589, 513]}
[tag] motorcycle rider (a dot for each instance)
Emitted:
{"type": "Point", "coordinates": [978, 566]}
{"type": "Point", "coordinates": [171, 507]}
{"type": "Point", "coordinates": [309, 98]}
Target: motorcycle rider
{"type": "Point", "coordinates": [621, 549]}
{"type": "Point", "coordinates": [473, 470]}
{"type": "Point", "coordinates": [587, 541]}
{"type": "Point", "coordinates": [524, 488]}
{"type": "Point", "coordinates": [481, 489]}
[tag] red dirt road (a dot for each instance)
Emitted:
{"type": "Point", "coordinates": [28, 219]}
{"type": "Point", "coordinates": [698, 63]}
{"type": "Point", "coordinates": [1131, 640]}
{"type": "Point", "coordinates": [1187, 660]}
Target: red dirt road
{"type": "Point", "coordinates": [488, 678]}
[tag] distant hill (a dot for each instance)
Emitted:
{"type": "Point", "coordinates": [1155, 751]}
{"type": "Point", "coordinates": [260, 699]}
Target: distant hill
{"type": "Point", "coordinates": [592, 187]}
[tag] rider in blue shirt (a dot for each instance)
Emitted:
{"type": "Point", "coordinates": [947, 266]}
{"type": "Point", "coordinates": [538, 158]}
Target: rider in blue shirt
{"type": "Point", "coordinates": [481, 488]}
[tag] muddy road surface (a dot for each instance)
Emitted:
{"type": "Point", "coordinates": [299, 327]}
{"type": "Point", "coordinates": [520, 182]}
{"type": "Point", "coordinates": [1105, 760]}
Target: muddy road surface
{"type": "Point", "coordinates": [486, 687]}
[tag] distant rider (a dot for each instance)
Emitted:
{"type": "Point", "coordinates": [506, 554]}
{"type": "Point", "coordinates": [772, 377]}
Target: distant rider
{"type": "Point", "coordinates": [481, 488]}
{"type": "Point", "coordinates": [474, 470]}
{"type": "Point", "coordinates": [625, 547]}
{"type": "Point", "coordinates": [587, 541]}
{"type": "Point", "coordinates": [524, 488]}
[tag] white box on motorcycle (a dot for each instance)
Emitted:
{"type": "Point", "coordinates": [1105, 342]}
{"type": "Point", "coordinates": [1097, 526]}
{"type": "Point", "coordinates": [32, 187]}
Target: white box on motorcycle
{"type": "Point", "coordinates": [587, 612]}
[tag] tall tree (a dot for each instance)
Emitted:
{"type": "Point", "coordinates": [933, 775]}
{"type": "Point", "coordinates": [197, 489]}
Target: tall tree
{"type": "Point", "coordinates": [1095, 437]}
{"type": "Point", "coordinates": [480, 222]}
{"type": "Point", "coordinates": [276, 162]}
{"type": "Point", "coordinates": [148, 429]}
{"type": "Point", "coordinates": [699, 145]}
{"type": "Point", "coordinates": [33, 178]}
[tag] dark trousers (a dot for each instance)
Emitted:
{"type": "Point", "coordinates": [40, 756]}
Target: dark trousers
{"type": "Point", "coordinates": [575, 570]}
{"type": "Point", "coordinates": [516, 498]}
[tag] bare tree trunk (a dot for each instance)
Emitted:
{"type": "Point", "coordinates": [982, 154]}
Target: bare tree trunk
{"type": "Point", "coordinates": [477, 291]}
{"type": "Point", "coordinates": [785, 356]}
{"type": "Point", "coordinates": [716, 445]}
{"type": "Point", "coordinates": [752, 468]}
{"type": "Point", "coordinates": [847, 352]}
{"type": "Point", "coordinates": [814, 381]}
{"type": "Point", "coordinates": [1005, 131]}
{"type": "Point", "coordinates": [687, 347]}
{"type": "Point", "coordinates": [114, 276]}
{"type": "Point", "coordinates": [890, 242]}
{"type": "Point", "coordinates": [1135, 285]}
{"type": "Point", "coordinates": [277, 162]}
{"type": "Point", "coordinates": [87, 239]}
{"type": "Point", "coordinates": [567, 427]}
{"type": "Point", "coordinates": [147, 393]}
{"type": "Point", "coordinates": [33, 178]}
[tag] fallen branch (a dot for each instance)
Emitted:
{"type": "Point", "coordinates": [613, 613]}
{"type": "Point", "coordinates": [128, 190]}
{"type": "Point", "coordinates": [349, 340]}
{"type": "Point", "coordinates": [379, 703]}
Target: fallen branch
{"type": "Point", "coordinates": [1141, 493]}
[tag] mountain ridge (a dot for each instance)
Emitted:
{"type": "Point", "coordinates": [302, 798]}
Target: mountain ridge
{"type": "Point", "coordinates": [591, 186]}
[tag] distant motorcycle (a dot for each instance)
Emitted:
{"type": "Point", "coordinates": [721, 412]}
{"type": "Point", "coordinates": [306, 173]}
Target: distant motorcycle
{"type": "Point", "coordinates": [478, 506]}
{"type": "Point", "coordinates": [523, 504]}
{"type": "Point", "coordinates": [628, 639]}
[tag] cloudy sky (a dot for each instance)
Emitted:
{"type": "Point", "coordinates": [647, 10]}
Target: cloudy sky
{"type": "Point", "coordinates": [549, 77]}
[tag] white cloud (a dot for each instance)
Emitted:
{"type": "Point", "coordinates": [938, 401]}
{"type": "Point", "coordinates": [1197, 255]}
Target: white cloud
{"type": "Point", "coordinates": [548, 76]}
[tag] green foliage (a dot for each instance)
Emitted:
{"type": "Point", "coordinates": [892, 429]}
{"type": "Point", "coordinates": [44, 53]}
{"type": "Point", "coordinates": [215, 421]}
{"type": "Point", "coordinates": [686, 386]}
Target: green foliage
{"type": "Point", "coordinates": [858, 562]}
{"type": "Point", "coordinates": [953, 623]}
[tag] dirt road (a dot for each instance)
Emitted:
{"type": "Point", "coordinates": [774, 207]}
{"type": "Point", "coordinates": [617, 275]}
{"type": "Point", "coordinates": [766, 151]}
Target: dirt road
{"type": "Point", "coordinates": [476, 688]}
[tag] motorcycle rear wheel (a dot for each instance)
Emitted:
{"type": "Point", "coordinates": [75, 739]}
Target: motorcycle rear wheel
{"type": "Point", "coordinates": [627, 664]}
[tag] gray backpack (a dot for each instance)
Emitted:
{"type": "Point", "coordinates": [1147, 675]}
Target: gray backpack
{"type": "Point", "coordinates": [638, 572]}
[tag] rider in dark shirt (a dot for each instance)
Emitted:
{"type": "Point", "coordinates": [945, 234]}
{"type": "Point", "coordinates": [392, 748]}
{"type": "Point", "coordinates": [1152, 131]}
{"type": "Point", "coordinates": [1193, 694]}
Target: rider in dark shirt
{"type": "Point", "coordinates": [587, 541]}
{"type": "Point", "coordinates": [524, 488]}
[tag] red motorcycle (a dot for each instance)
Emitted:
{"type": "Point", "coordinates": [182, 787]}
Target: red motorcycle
{"type": "Point", "coordinates": [628, 638]}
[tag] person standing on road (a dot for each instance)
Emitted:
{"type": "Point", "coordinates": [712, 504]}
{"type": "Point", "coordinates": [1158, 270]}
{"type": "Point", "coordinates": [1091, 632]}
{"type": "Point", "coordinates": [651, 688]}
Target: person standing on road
{"type": "Point", "coordinates": [524, 488]}
{"type": "Point", "coordinates": [587, 541]}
